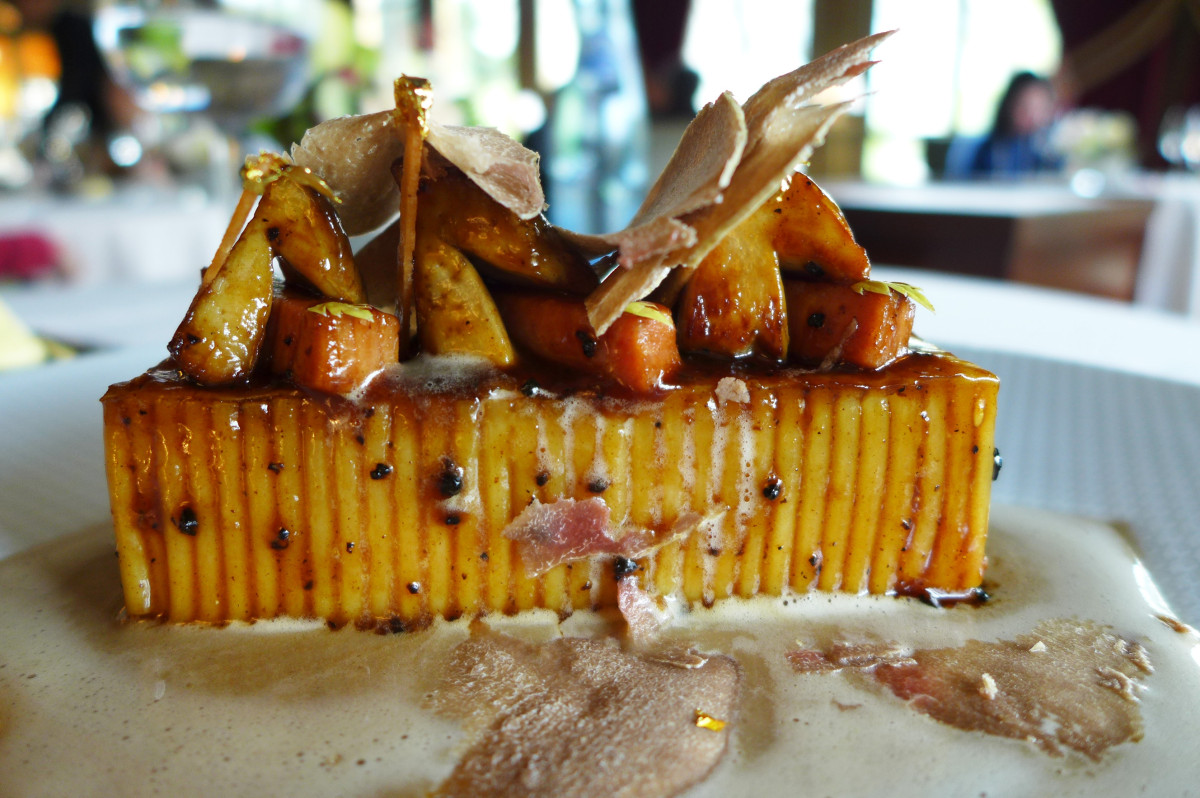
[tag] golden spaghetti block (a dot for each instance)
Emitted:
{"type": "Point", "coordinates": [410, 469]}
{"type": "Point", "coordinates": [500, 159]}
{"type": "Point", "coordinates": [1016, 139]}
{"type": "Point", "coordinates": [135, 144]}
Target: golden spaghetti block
{"type": "Point", "coordinates": [391, 509]}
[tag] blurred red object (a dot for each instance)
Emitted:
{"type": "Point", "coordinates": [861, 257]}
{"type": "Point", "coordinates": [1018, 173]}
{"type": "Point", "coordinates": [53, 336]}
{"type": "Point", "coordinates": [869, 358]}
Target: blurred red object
{"type": "Point", "coordinates": [28, 256]}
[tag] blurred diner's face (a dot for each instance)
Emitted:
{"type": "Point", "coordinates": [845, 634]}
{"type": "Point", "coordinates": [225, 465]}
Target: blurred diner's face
{"type": "Point", "coordinates": [1033, 109]}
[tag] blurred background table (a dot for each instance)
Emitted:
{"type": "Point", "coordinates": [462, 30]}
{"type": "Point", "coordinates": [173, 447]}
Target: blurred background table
{"type": "Point", "coordinates": [134, 234]}
{"type": "Point", "coordinates": [1026, 232]}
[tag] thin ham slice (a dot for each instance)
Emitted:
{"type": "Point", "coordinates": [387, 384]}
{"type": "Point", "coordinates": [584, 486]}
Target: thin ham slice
{"type": "Point", "coordinates": [561, 531]}
{"type": "Point", "coordinates": [645, 613]}
{"type": "Point", "coordinates": [551, 533]}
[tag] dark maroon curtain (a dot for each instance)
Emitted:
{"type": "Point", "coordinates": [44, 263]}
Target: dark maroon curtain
{"type": "Point", "coordinates": [661, 26]}
{"type": "Point", "coordinates": [1142, 57]}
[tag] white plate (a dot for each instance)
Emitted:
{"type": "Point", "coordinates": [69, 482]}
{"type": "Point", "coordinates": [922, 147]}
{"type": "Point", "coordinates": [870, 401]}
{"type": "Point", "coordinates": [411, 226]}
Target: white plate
{"type": "Point", "coordinates": [135, 713]}
{"type": "Point", "coordinates": [1119, 447]}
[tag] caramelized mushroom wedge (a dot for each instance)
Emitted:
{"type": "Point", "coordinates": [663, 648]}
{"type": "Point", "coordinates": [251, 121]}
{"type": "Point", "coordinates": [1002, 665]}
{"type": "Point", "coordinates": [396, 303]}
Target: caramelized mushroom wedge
{"type": "Point", "coordinates": [809, 233]}
{"type": "Point", "coordinates": [733, 305]}
{"type": "Point", "coordinates": [219, 339]}
{"type": "Point", "coordinates": [304, 230]}
{"type": "Point", "coordinates": [455, 312]}
{"type": "Point", "coordinates": [512, 250]}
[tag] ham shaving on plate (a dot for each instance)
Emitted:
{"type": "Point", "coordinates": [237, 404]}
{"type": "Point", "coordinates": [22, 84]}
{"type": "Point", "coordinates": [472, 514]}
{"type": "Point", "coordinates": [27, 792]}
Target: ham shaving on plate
{"type": "Point", "coordinates": [552, 533]}
{"type": "Point", "coordinates": [645, 613]}
{"type": "Point", "coordinates": [1068, 686]}
{"type": "Point", "coordinates": [556, 532]}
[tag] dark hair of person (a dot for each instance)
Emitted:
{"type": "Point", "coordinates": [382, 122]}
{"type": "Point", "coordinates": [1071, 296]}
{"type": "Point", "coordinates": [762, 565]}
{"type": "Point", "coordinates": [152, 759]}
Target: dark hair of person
{"type": "Point", "coordinates": [1002, 127]}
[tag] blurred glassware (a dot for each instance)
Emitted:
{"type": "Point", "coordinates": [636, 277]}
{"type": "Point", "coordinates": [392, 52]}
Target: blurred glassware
{"type": "Point", "coordinates": [468, 49]}
{"type": "Point", "coordinates": [228, 61]}
{"type": "Point", "coordinates": [29, 74]}
{"type": "Point", "coordinates": [596, 170]}
{"type": "Point", "coordinates": [1100, 147]}
{"type": "Point", "coordinates": [1179, 137]}
{"type": "Point", "coordinates": [1170, 136]}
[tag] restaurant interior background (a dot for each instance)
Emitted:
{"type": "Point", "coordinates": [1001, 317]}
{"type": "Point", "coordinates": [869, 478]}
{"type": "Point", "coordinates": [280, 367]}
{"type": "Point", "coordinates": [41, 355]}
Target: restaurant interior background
{"type": "Point", "coordinates": [122, 123]}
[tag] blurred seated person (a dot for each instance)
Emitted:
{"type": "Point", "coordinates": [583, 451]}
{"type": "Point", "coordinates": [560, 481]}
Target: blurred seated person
{"type": "Point", "coordinates": [1019, 141]}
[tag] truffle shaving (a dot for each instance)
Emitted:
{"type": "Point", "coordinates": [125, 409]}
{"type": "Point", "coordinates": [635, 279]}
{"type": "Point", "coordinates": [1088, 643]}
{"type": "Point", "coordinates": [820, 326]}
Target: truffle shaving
{"type": "Point", "coordinates": [582, 717]}
{"type": "Point", "coordinates": [781, 131]}
{"type": "Point", "coordinates": [354, 154]}
{"type": "Point", "coordinates": [1079, 694]}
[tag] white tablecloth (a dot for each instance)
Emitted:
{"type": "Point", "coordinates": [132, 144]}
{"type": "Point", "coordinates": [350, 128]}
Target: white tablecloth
{"type": "Point", "coordinates": [1169, 272]}
{"type": "Point", "coordinates": [138, 234]}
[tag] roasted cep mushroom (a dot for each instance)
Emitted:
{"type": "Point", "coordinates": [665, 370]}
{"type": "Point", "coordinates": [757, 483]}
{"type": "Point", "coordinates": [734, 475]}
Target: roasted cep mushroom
{"type": "Point", "coordinates": [293, 224]}
{"type": "Point", "coordinates": [781, 287]}
{"type": "Point", "coordinates": [733, 255]}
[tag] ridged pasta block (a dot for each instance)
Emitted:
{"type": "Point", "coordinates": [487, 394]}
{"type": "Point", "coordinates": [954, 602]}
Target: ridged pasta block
{"type": "Point", "coordinates": [391, 509]}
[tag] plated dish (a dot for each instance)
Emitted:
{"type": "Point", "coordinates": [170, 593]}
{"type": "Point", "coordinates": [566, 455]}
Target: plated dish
{"type": "Point", "coordinates": [479, 413]}
{"type": "Point", "coordinates": [1075, 660]}
{"type": "Point", "coordinates": [53, 488]}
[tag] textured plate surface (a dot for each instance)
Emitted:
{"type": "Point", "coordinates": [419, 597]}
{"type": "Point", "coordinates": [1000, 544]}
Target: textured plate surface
{"type": "Point", "coordinates": [1114, 446]}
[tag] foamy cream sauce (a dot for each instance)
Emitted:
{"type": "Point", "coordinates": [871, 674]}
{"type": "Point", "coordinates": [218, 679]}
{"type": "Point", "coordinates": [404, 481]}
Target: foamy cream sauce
{"type": "Point", "coordinates": [90, 705]}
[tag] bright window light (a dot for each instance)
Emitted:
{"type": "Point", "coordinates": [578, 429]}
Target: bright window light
{"type": "Point", "coordinates": [944, 72]}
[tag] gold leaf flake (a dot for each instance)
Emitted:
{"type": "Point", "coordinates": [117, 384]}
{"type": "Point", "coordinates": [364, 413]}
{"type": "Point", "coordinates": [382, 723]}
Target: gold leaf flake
{"type": "Point", "coordinates": [707, 721]}
{"type": "Point", "coordinates": [885, 287]}
{"type": "Point", "coordinates": [265, 168]}
{"type": "Point", "coordinates": [649, 310]}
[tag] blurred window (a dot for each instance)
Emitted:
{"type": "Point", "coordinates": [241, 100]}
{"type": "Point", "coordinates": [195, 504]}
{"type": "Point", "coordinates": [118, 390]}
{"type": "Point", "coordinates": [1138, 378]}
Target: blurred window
{"type": "Point", "coordinates": [945, 72]}
{"type": "Point", "coordinates": [738, 45]}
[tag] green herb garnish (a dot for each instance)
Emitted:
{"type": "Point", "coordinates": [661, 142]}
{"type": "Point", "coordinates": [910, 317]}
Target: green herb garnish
{"type": "Point", "coordinates": [648, 310]}
{"type": "Point", "coordinates": [336, 309]}
{"type": "Point", "coordinates": [903, 289]}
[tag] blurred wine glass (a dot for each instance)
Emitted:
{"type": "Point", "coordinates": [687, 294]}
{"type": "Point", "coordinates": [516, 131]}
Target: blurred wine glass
{"type": "Point", "coordinates": [225, 61]}
{"type": "Point", "coordinates": [29, 74]}
{"type": "Point", "coordinates": [1179, 137]}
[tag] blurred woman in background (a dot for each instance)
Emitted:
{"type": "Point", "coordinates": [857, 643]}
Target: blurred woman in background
{"type": "Point", "coordinates": [1019, 141]}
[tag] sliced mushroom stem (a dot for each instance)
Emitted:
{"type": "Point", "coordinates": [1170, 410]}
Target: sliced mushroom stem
{"type": "Point", "coordinates": [236, 222]}
{"type": "Point", "coordinates": [413, 99]}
